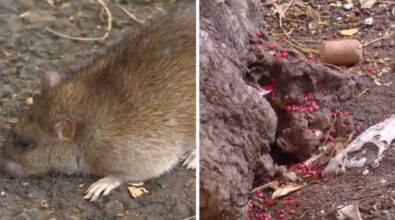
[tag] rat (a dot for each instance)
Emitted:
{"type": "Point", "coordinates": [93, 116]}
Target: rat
{"type": "Point", "coordinates": [127, 116]}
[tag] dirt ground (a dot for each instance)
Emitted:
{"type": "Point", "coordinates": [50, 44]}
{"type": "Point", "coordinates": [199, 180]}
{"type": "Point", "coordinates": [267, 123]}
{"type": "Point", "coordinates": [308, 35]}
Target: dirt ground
{"type": "Point", "coordinates": [363, 101]}
{"type": "Point", "coordinates": [26, 51]}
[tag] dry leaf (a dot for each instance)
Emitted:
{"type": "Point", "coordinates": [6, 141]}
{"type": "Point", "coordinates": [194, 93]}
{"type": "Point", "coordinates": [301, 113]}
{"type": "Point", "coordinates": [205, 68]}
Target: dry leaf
{"type": "Point", "coordinates": [29, 101]}
{"type": "Point", "coordinates": [136, 192]}
{"type": "Point", "coordinates": [12, 120]}
{"type": "Point", "coordinates": [286, 189]}
{"type": "Point", "coordinates": [349, 32]}
{"type": "Point", "coordinates": [138, 184]}
{"type": "Point", "coordinates": [367, 3]}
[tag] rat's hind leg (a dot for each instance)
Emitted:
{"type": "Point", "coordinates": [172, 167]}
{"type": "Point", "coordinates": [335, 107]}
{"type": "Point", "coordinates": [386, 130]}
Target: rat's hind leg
{"type": "Point", "coordinates": [104, 185]}
{"type": "Point", "coordinates": [190, 160]}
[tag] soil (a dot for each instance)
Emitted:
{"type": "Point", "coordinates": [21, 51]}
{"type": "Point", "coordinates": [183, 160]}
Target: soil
{"type": "Point", "coordinates": [26, 51]}
{"type": "Point", "coordinates": [348, 102]}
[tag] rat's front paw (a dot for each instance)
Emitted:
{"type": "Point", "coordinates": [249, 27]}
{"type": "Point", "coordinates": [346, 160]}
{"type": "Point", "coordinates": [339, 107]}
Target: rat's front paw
{"type": "Point", "coordinates": [104, 186]}
{"type": "Point", "coordinates": [190, 160]}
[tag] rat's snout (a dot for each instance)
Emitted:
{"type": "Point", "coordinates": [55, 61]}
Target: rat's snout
{"type": "Point", "coordinates": [10, 168]}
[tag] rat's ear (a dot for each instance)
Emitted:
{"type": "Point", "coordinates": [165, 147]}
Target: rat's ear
{"type": "Point", "coordinates": [49, 80]}
{"type": "Point", "coordinates": [65, 129]}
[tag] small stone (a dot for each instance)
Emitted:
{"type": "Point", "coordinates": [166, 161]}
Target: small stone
{"type": "Point", "coordinates": [36, 213]}
{"type": "Point", "coordinates": [13, 188]}
{"type": "Point", "coordinates": [12, 120]}
{"type": "Point", "coordinates": [22, 216]}
{"type": "Point", "coordinates": [369, 21]}
{"type": "Point", "coordinates": [182, 209]}
{"type": "Point", "coordinates": [26, 3]}
{"type": "Point", "coordinates": [29, 101]}
{"type": "Point", "coordinates": [32, 195]}
{"type": "Point", "coordinates": [383, 181]}
{"type": "Point", "coordinates": [11, 70]}
{"type": "Point", "coordinates": [73, 217]}
{"type": "Point", "coordinates": [23, 182]}
{"type": "Point", "coordinates": [15, 24]}
{"type": "Point", "coordinates": [112, 208]}
{"type": "Point", "coordinates": [153, 217]}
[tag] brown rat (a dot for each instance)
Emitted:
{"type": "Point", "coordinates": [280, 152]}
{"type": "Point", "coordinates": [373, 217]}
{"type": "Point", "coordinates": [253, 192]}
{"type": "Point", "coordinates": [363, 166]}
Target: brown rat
{"type": "Point", "coordinates": [128, 116]}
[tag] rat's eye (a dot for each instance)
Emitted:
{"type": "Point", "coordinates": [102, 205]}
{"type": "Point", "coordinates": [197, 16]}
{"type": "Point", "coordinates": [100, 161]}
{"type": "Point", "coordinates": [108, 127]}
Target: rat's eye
{"type": "Point", "coordinates": [26, 144]}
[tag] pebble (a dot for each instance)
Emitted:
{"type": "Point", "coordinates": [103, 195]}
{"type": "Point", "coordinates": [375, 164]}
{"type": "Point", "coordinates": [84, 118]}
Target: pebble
{"type": "Point", "coordinates": [67, 188]}
{"type": "Point", "coordinates": [13, 188]}
{"type": "Point", "coordinates": [22, 216]}
{"type": "Point", "coordinates": [153, 217]}
{"type": "Point", "coordinates": [73, 217]}
{"type": "Point", "coordinates": [32, 195]}
{"type": "Point", "coordinates": [112, 208]}
{"type": "Point", "coordinates": [155, 208]}
{"type": "Point", "coordinates": [182, 209]}
{"type": "Point", "coordinates": [15, 24]}
{"type": "Point", "coordinates": [30, 214]}
{"type": "Point", "coordinates": [36, 213]}
{"type": "Point", "coordinates": [369, 21]}
{"type": "Point", "coordinates": [26, 3]}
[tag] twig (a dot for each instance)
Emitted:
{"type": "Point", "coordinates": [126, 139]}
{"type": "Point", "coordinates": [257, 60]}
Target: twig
{"type": "Point", "coordinates": [387, 2]}
{"type": "Point", "coordinates": [363, 92]}
{"type": "Point", "coordinates": [334, 66]}
{"type": "Point", "coordinates": [303, 49]}
{"type": "Point", "coordinates": [330, 129]}
{"type": "Point", "coordinates": [264, 186]}
{"type": "Point", "coordinates": [190, 218]}
{"type": "Point", "coordinates": [131, 15]}
{"type": "Point", "coordinates": [311, 41]}
{"type": "Point", "coordinates": [105, 36]}
{"type": "Point", "coordinates": [295, 44]}
{"type": "Point", "coordinates": [384, 37]}
{"type": "Point", "coordinates": [281, 15]}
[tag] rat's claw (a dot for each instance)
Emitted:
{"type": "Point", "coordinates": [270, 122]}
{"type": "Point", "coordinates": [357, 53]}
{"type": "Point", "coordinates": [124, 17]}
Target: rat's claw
{"type": "Point", "coordinates": [104, 186]}
{"type": "Point", "coordinates": [190, 160]}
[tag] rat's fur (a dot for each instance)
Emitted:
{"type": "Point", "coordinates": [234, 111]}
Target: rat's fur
{"type": "Point", "coordinates": [130, 114]}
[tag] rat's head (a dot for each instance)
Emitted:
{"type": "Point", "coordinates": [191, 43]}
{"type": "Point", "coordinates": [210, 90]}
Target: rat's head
{"type": "Point", "coordinates": [39, 143]}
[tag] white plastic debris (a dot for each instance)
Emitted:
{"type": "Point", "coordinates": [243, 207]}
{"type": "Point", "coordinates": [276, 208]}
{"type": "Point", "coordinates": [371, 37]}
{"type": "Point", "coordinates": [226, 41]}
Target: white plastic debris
{"type": "Point", "coordinates": [349, 212]}
{"type": "Point", "coordinates": [348, 6]}
{"type": "Point", "coordinates": [367, 3]}
{"type": "Point", "coordinates": [264, 92]}
{"type": "Point", "coordinates": [357, 154]}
